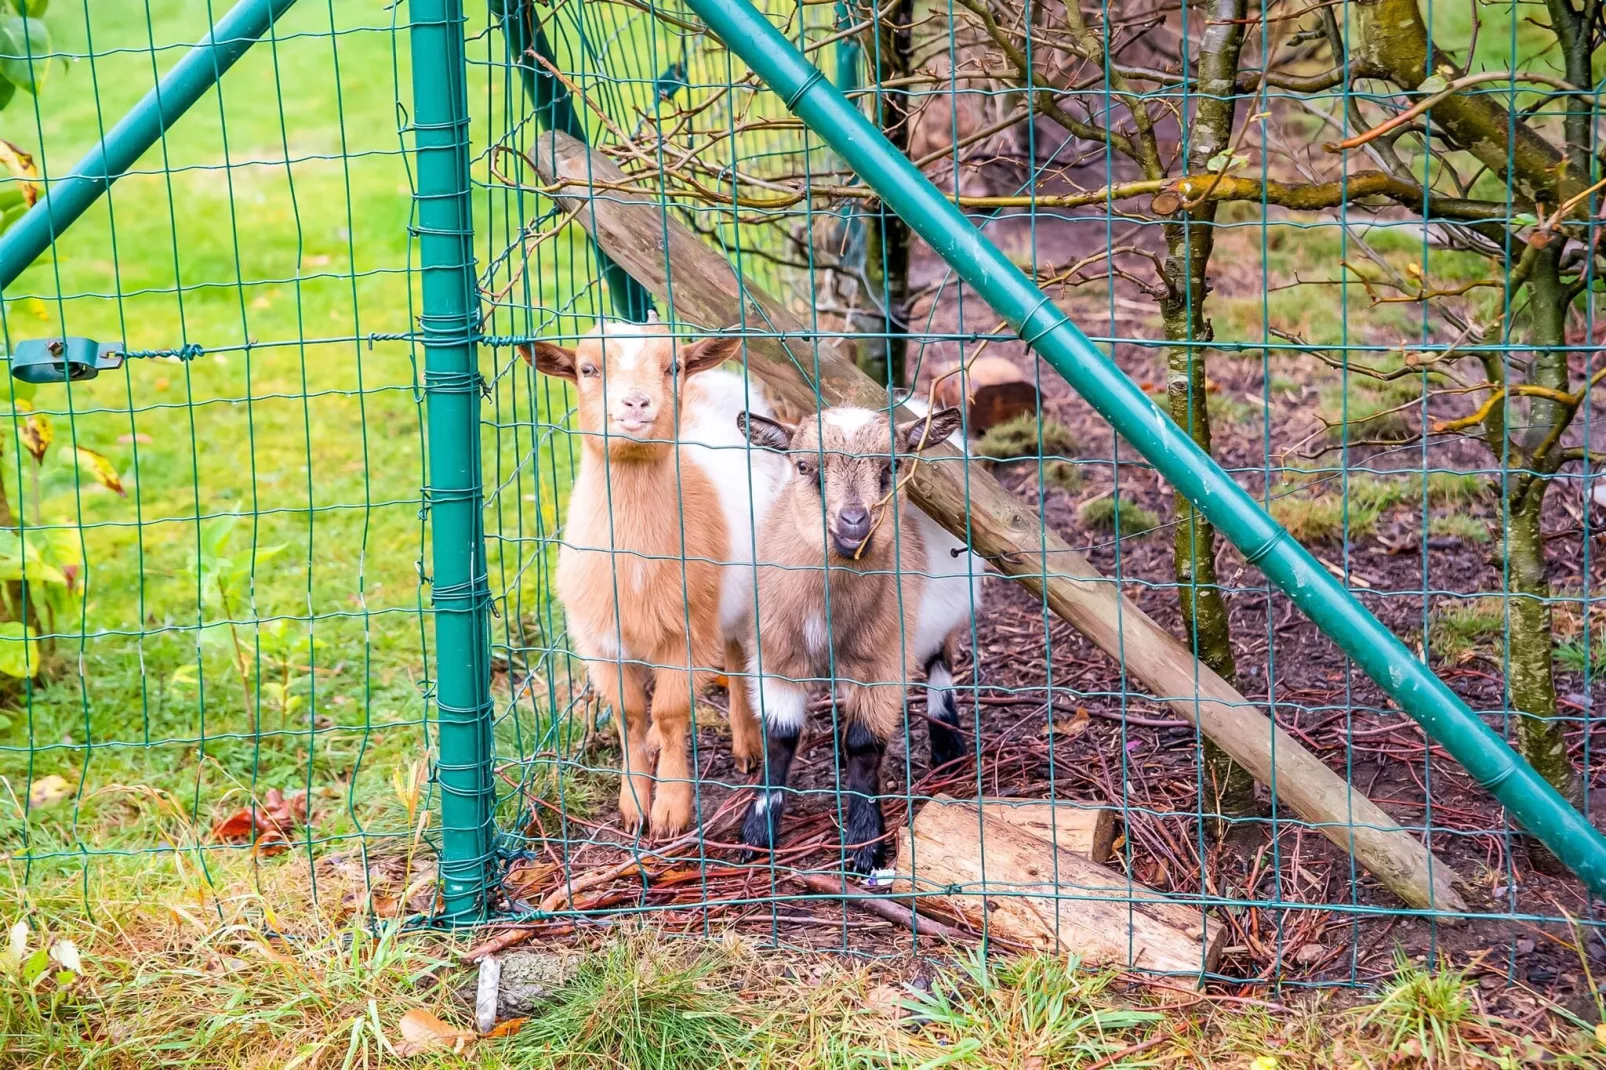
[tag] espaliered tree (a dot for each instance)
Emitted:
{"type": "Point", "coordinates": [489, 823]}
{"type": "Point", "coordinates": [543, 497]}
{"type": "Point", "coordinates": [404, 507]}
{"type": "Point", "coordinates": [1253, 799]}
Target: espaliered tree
{"type": "Point", "coordinates": [1545, 249]}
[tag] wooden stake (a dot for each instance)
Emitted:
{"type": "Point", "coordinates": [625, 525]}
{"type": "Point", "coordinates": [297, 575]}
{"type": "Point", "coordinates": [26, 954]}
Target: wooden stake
{"type": "Point", "coordinates": [644, 237]}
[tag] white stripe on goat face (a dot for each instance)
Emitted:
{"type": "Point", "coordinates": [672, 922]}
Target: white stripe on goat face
{"type": "Point", "coordinates": [633, 399]}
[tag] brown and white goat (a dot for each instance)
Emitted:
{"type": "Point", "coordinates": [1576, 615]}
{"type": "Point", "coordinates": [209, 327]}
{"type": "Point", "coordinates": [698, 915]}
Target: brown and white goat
{"type": "Point", "coordinates": [858, 589]}
{"type": "Point", "coordinates": [655, 574]}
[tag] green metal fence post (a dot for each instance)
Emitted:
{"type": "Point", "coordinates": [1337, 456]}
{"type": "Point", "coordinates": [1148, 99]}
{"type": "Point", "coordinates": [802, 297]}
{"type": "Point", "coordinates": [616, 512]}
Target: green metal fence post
{"type": "Point", "coordinates": [72, 194]}
{"type": "Point", "coordinates": [449, 326]}
{"type": "Point", "coordinates": [1263, 542]}
{"type": "Point", "coordinates": [554, 109]}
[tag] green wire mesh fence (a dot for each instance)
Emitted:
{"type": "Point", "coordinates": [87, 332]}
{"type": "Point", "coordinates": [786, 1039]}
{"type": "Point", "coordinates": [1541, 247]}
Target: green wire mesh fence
{"type": "Point", "coordinates": [317, 577]}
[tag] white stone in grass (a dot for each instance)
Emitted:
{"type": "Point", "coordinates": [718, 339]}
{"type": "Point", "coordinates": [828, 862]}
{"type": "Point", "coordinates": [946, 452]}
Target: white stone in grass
{"type": "Point", "coordinates": [485, 994]}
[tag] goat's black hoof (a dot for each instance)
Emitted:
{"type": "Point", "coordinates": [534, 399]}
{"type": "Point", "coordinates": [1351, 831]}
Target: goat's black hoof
{"type": "Point", "coordinates": [867, 859]}
{"type": "Point", "coordinates": [760, 826]}
{"type": "Point", "coordinates": [946, 747]}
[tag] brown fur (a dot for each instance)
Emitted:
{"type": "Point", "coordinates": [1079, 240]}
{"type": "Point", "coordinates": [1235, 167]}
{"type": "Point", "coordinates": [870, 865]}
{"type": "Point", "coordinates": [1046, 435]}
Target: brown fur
{"type": "Point", "coordinates": [872, 598]}
{"type": "Point", "coordinates": [647, 534]}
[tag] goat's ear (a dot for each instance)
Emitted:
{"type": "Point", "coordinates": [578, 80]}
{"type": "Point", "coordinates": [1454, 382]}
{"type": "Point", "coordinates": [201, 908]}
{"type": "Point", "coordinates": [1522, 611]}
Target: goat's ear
{"type": "Point", "coordinates": [549, 359]}
{"type": "Point", "coordinates": [709, 353]}
{"type": "Point", "coordinates": [765, 433]}
{"type": "Point", "coordinates": [919, 434]}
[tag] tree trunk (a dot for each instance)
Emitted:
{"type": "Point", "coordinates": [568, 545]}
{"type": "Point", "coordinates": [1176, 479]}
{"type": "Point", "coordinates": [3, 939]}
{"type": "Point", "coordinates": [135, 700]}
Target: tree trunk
{"type": "Point", "coordinates": [887, 242]}
{"type": "Point", "coordinates": [1540, 736]}
{"type": "Point", "coordinates": [1533, 688]}
{"type": "Point", "coordinates": [1228, 787]}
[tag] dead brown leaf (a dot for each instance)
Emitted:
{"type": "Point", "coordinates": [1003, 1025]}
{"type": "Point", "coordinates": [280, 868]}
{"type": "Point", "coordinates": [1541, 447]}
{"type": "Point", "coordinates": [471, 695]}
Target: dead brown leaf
{"type": "Point", "coordinates": [267, 825]}
{"type": "Point", "coordinates": [47, 790]}
{"type": "Point", "coordinates": [36, 434]}
{"type": "Point", "coordinates": [885, 1001]}
{"type": "Point", "coordinates": [20, 164]}
{"type": "Point", "coordinates": [1070, 727]}
{"type": "Point", "coordinates": [422, 1032]}
{"type": "Point", "coordinates": [507, 1028]}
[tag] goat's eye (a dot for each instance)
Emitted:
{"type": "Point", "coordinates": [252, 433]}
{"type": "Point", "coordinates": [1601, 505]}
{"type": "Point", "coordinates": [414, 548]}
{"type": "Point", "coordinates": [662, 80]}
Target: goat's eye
{"type": "Point", "coordinates": [673, 369]}
{"type": "Point", "coordinates": [804, 468]}
{"type": "Point", "coordinates": [589, 371]}
{"type": "Point", "coordinates": [886, 475]}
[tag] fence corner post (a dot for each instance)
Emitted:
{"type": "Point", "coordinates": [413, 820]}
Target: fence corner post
{"type": "Point", "coordinates": [449, 327]}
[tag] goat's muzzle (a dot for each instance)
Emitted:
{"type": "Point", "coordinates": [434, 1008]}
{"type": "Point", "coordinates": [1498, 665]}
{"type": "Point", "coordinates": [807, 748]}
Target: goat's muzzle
{"type": "Point", "coordinates": [851, 530]}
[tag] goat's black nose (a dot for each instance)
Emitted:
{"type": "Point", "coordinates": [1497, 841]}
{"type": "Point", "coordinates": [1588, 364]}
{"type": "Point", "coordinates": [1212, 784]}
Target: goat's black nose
{"type": "Point", "coordinates": [854, 520]}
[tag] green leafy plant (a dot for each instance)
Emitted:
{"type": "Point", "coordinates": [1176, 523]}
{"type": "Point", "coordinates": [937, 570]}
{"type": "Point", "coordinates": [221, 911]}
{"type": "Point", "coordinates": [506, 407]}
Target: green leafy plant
{"type": "Point", "coordinates": [38, 570]}
{"type": "Point", "coordinates": [36, 981]}
{"type": "Point", "coordinates": [40, 565]}
{"type": "Point", "coordinates": [225, 576]}
{"type": "Point", "coordinates": [1575, 656]}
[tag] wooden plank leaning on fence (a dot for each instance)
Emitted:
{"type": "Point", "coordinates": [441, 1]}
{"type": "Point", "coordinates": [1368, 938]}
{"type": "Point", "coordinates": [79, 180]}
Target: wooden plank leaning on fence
{"type": "Point", "coordinates": [629, 225]}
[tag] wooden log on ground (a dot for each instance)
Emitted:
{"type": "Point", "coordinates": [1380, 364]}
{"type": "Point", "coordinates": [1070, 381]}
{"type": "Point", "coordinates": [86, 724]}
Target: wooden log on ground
{"type": "Point", "coordinates": [1035, 894]}
{"type": "Point", "coordinates": [1084, 830]}
{"type": "Point", "coordinates": [994, 390]}
{"type": "Point", "coordinates": [644, 238]}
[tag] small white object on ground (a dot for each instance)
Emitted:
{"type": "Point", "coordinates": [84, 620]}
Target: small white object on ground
{"type": "Point", "coordinates": [485, 994]}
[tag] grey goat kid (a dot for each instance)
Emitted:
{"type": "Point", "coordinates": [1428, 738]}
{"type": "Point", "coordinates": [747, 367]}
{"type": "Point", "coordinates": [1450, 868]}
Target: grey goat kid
{"type": "Point", "coordinates": [858, 588]}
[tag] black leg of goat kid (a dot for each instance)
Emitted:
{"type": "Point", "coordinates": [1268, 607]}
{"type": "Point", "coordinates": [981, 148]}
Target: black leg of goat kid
{"type": "Point", "coordinates": [863, 827]}
{"type": "Point", "coordinates": [763, 821]}
{"type": "Point", "coordinates": [942, 715]}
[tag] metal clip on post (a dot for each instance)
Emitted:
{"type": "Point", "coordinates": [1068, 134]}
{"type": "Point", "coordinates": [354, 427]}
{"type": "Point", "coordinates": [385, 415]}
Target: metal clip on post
{"type": "Point", "coordinates": [56, 360]}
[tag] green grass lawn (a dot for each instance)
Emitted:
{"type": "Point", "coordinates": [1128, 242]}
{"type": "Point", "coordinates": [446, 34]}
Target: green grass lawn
{"type": "Point", "coordinates": [272, 230]}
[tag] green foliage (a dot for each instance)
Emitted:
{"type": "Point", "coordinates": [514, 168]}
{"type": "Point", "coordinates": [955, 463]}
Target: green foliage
{"type": "Point", "coordinates": [1042, 1009]}
{"type": "Point", "coordinates": [1021, 437]}
{"type": "Point", "coordinates": [644, 1004]}
{"type": "Point", "coordinates": [1313, 517]}
{"type": "Point", "coordinates": [271, 656]}
{"type": "Point", "coordinates": [1471, 529]}
{"type": "Point", "coordinates": [1062, 476]}
{"type": "Point", "coordinates": [1371, 411]}
{"type": "Point", "coordinates": [1325, 509]}
{"type": "Point", "coordinates": [1122, 515]}
{"type": "Point", "coordinates": [36, 983]}
{"type": "Point", "coordinates": [1429, 1010]}
{"type": "Point", "coordinates": [1462, 628]}
{"type": "Point", "coordinates": [1575, 656]}
{"type": "Point", "coordinates": [25, 48]}
{"type": "Point", "coordinates": [224, 573]}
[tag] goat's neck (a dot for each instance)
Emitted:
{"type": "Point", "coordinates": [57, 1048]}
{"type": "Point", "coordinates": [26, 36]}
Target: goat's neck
{"type": "Point", "coordinates": [649, 468]}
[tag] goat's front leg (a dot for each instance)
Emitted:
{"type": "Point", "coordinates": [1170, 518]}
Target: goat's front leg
{"type": "Point", "coordinates": [783, 705]}
{"type": "Point", "coordinates": [872, 713]}
{"type": "Point", "coordinates": [747, 741]}
{"type": "Point", "coordinates": [672, 696]}
{"type": "Point", "coordinates": [618, 683]}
